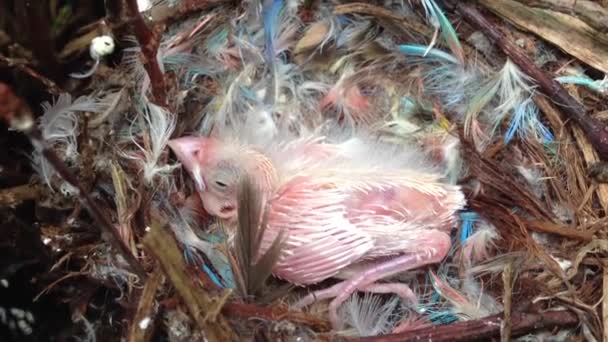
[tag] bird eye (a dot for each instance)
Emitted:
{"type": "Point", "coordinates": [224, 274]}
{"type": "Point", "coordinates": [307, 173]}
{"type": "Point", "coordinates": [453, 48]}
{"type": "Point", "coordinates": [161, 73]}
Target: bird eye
{"type": "Point", "coordinates": [221, 184]}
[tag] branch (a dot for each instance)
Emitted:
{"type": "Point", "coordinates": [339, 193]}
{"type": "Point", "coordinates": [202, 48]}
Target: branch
{"type": "Point", "coordinates": [485, 328]}
{"type": "Point", "coordinates": [275, 313]}
{"type": "Point", "coordinates": [148, 41]}
{"type": "Point", "coordinates": [22, 66]}
{"type": "Point", "coordinates": [141, 329]}
{"type": "Point", "coordinates": [595, 130]}
{"type": "Point", "coordinates": [16, 195]}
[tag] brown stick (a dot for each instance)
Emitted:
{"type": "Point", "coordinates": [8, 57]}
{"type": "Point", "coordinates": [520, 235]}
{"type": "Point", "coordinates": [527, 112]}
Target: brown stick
{"type": "Point", "coordinates": [148, 41]}
{"type": "Point", "coordinates": [507, 281]}
{"type": "Point", "coordinates": [595, 130]}
{"type": "Point", "coordinates": [140, 330]}
{"type": "Point", "coordinates": [560, 230]}
{"type": "Point", "coordinates": [276, 313]}
{"type": "Point", "coordinates": [16, 195]}
{"type": "Point", "coordinates": [485, 328]}
{"type": "Point", "coordinates": [22, 66]}
{"type": "Point", "coordinates": [204, 307]}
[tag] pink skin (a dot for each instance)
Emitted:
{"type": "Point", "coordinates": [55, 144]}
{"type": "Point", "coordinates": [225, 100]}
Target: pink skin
{"type": "Point", "coordinates": [218, 194]}
{"type": "Point", "coordinates": [335, 227]}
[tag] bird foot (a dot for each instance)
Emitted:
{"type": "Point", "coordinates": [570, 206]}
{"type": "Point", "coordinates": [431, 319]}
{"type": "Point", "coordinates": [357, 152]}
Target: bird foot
{"type": "Point", "coordinates": [367, 279]}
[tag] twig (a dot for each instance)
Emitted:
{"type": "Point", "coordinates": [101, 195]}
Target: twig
{"type": "Point", "coordinates": [595, 131]}
{"type": "Point", "coordinates": [591, 158]}
{"type": "Point", "coordinates": [560, 230]}
{"type": "Point", "coordinates": [148, 41]}
{"type": "Point", "coordinates": [551, 113]}
{"type": "Point", "coordinates": [22, 66]}
{"type": "Point", "coordinates": [485, 328]}
{"type": "Point", "coordinates": [507, 283]}
{"type": "Point", "coordinates": [109, 233]}
{"type": "Point", "coordinates": [141, 326]}
{"type": "Point", "coordinates": [18, 194]}
{"type": "Point", "coordinates": [275, 313]}
{"type": "Point", "coordinates": [203, 307]}
{"type": "Point", "coordinates": [54, 283]}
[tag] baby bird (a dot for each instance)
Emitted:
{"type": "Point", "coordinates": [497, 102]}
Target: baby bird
{"type": "Point", "coordinates": [357, 209]}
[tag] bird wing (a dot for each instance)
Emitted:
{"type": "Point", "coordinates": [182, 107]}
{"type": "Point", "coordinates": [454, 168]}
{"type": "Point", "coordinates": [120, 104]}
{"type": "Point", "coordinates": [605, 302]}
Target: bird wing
{"type": "Point", "coordinates": [332, 222]}
{"type": "Point", "coordinates": [319, 239]}
{"type": "Point", "coordinates": [401, 211]}
{"type": "Point", "coordinates": [404, 195]}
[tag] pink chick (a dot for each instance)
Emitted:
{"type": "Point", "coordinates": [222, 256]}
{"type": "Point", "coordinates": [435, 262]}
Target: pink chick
{"type": "Point", "coordinates": [359, 210]}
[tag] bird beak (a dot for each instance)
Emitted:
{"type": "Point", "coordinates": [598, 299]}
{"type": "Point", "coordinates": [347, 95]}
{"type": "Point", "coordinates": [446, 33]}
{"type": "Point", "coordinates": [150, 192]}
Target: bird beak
{"type": "Point", "coordinates": [186, 150]}
{"type": "Point", "coordinates": [198, 178]}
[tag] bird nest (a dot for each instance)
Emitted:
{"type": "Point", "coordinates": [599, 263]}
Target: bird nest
{"type": "Point", "coordinates": [109, 232]}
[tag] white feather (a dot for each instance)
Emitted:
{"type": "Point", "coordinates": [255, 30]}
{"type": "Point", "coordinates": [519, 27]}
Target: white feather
{"type": "Point", "coordinates": [59, 127]}
{"type": "Point", "coordinates": [132, 61]}
{"type": "Point", "coordinates": [505, 95]}
{"type": "Point", "coordinates": [449, 82]}
{"type": "Point", "coordinates": [158, 124]}
{"type": "Point", "coordinates": [368, 315]}
{"type": "Point", "coordinates": [478, 246]}
{"type": "Point", "coordinates": [470, 302]}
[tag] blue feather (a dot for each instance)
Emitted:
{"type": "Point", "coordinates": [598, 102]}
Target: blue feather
{"type": "Point", "coordinates": [408, 105]}
{"type": "Point", "coordinates": [580, 80]}
{"type": "Point", "coordinates": [248, 93]}
{"type": "Point", "coordinates": [192, 258]}
{"type": "Point", "coordinates": [434, 310]}
{"type": "Point", "coordinates": [219, 260]}
{"type": "Point", "coordinates": [442, 317]}
{"type": "Point", "coordinates": [599, 86]}
{"type": "Point", "coordinates": [516, 122]}
{"type": "Point", "coordinates": [468, 220]}
{"type": "Point", "coordinates": [212, 276]}
{"type": "Point", "coordinates": [419, 51]}
{"type": "Point", "coordinates": [524, 120]}
{"type": "Point", "coordinates": [271, 14]}
{"type": "Point", "coordinates": [342, 19]}
{"type": "Point", "coordinates": [214, 44]}
{"type": "Point", "coordinates": [447, 30]}
{"type": "Point", "coordinates": [545, 133]}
